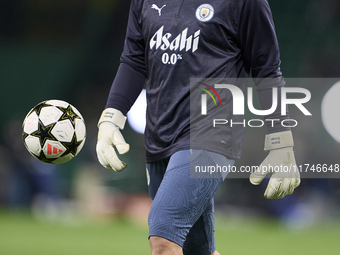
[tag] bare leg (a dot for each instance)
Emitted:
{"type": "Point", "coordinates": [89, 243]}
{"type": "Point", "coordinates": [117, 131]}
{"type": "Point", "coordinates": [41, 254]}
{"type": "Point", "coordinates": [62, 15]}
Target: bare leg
{"type": "Point", "coordinates": [215, 253]}
{"type": "Point", "coordinates": [162, 246]}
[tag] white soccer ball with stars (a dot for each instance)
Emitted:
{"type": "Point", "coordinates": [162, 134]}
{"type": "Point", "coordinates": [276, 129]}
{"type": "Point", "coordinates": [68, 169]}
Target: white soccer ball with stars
{"type": "Point", "coordinates": [54, 131]}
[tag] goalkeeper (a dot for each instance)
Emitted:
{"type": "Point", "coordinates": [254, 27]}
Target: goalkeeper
{"type": "Point", "coordinates": [166, 45]}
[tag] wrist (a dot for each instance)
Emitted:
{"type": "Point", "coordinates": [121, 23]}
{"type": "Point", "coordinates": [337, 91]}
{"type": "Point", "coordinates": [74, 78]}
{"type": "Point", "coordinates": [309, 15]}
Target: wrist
{"type": "Point", "coordinates": [112, 116]}
{"type": "Point", "coordinates": [278, 140]}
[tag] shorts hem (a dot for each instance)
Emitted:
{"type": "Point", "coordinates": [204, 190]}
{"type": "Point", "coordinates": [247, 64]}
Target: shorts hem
{"type": "Point", "coordinates": [167, 238]}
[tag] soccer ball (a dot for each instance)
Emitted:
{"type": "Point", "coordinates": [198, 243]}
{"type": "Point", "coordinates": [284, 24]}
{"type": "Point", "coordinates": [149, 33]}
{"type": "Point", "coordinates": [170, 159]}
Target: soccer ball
{"type": "Point", "coordinates": [54, 131]}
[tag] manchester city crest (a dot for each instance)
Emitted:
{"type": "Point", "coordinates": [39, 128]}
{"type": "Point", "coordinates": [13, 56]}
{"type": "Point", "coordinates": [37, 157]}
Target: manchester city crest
{"type": "Point", "coordinates": [205, 12]}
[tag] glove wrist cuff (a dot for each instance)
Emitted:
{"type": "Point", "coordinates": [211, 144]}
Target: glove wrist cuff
{"type": "Point", "coordinates": [278, 140]}
{"type": "Point", "coordinates": [113, 116]}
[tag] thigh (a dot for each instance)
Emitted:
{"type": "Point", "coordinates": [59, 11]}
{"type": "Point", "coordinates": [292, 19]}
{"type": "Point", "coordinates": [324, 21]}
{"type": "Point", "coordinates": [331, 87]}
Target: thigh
{"type": "Point", "coordinates": [201, 237]}
{"type": "Point", "coordinates": [181, 201]}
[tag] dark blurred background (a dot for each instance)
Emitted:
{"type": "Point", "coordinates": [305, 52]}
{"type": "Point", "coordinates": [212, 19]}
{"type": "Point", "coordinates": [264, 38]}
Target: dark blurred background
{"type": "Point", "coordinates": [69, 50]}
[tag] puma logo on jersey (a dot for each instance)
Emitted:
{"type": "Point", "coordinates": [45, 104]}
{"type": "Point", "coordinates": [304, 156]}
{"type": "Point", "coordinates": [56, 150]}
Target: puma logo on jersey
{"type": "Point", "coordinates": [158, 9]}
{"type": "Point", "coordinates": [181, 41]}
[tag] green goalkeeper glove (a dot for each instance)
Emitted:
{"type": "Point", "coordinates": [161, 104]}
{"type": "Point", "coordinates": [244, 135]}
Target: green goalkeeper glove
{"type": "Point", "coordinates": [109, 138]}
{"type": "Point", "coordinates": [281, 163]}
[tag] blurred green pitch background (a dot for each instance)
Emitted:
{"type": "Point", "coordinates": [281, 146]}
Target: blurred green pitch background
{"type": "Point", "coordinates": [20, 234]}
{"type": "Point", "coordinates": [69, 49]}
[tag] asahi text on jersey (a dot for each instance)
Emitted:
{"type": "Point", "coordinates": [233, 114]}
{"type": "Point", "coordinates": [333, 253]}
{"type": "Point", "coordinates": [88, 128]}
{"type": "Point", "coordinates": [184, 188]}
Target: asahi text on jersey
{"type": "Point", "coordinates": [181, 41]}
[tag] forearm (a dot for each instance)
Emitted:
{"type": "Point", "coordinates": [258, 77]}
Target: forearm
{"type": "Point", "coordinates": [125, 88]}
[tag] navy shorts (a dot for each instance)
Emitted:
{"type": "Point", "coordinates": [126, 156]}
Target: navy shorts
{"type": "Point", "coordinates": [183, 207]}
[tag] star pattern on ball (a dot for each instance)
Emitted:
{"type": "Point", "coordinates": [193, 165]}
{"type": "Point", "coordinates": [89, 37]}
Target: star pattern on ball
{"type": "Point", "coordinates": [38, 107]}
{"type": "Point", "coordinates": [24, 135]}
{"type": "Point", "coordinates": [44, 133]}
{"type": "Point", "coordinates": [43, 158]}
{"type": "Point", "coordinates": [72, 146]}
{"type": "Point", "coordinates": [69, 114]}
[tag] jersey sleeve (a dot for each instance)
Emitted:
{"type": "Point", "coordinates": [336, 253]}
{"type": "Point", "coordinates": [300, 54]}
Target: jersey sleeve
{"type": "Point", "coordinates": [131, 74]}
{"type": "Point", "coordinates": [261, 56]}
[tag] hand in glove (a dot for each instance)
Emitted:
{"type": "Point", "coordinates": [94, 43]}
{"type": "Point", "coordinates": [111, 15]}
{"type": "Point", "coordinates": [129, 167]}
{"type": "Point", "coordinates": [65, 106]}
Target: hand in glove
{"type": "Point", "coordinates": [281, 163]}
{"type": "Point", "coordinates": [109, 138]}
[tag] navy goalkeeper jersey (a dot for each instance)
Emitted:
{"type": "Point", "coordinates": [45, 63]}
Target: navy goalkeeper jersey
{"type": "Point", "coordinates": [170, 41]}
